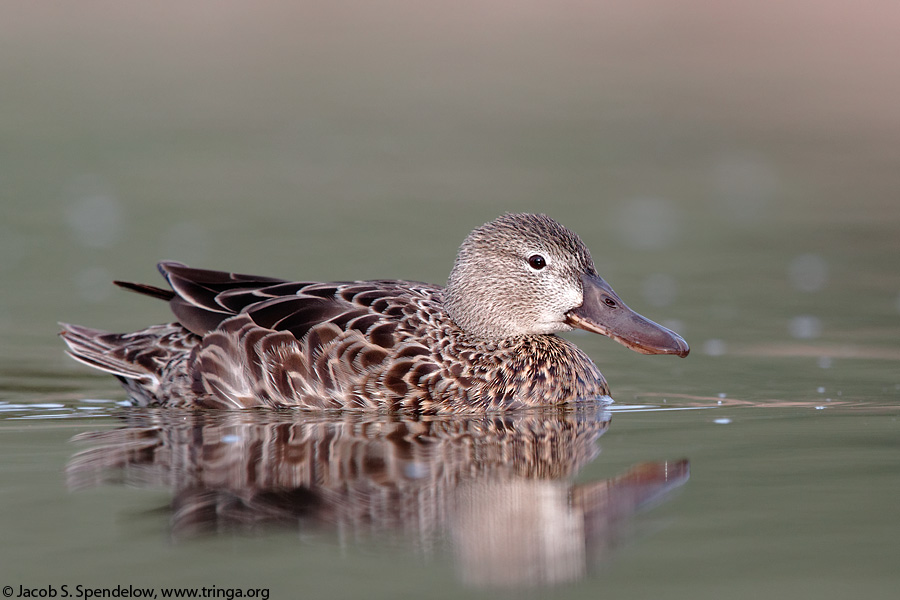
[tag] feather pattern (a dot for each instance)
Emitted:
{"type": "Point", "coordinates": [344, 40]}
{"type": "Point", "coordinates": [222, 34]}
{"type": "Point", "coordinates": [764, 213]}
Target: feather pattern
{"type": "Point", "coordinates": [243, 341]}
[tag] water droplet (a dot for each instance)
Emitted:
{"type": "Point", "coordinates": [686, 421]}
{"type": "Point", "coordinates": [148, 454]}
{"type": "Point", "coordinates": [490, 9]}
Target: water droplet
{"type": "Point", "coordinates": [722, 421]}
{"type": "Point", "coordinates": [722, 395]}
{"type": "Point", "coordinates": [820, 389]}
{"type": "Point", "coordinates": [808, 273]}
{"type": "Point", "coordinates": [805, 327]}
{"type": "Point", "coordinates": [820, 408]}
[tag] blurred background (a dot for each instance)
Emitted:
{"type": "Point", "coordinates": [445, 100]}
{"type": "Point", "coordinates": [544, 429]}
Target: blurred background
{"type": "Point", "coordinates": [723, 161]}
{"type": "Point", "coordinates": [714, 156]}
{"type": "Point", "coordinates": [734, 168]}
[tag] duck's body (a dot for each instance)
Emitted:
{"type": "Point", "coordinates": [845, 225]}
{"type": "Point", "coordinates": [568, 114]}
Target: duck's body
{"type": "Point", "coordinates": [483, 343]}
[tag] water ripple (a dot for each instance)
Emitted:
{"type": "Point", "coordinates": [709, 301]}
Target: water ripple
{"type": "Point", "coordinates": [59, 410]}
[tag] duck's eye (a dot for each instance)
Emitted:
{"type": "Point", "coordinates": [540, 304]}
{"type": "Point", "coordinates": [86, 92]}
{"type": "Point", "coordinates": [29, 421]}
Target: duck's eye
{"type": "Point", "coordinates": [537, 262]}
{"type": "Point", "coordinates": [610, 302]}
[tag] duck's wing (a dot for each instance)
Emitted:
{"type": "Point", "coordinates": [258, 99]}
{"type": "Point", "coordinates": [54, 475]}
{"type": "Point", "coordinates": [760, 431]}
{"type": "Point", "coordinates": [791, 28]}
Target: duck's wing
{"type": "Point", "coordinates": [312, 344]}
{"type": "Point", "coordinates": [202, 299]}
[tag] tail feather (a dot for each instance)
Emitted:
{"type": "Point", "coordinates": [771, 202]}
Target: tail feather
{"type": "Point", "coordinates": [102, 350]}
{"type": "Point", "coordinates": [147, 290]}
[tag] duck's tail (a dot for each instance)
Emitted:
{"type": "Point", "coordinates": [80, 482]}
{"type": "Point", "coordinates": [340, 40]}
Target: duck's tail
{"type": "Point", "coordinates": [150, 363]}
{"type": "Point", "coordinates": [107, 352]}
{"type": "Point", "coordinates": [147, 290]}
{"type": "Point", "coordinates": [110, 351]}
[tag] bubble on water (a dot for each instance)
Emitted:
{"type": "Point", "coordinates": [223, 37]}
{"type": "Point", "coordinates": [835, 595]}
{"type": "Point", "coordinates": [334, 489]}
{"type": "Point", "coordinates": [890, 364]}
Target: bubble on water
{"type": "Point", "coordinates": [660, 289]}
{"type": "Point", "coordinates": [648, 223]}
{"type": "Point", "coordinates": [744, 186]}
{"type": "Point", "coordinates": [820, 389]}
{"type": "Point", "coordinates": [820, 408]}
{"type": "Point", "coordinates": [92, 213]}
{"type": "Point", "coordinates": [93, 284]}
{"type": "Point", "coordinates": [825, 362]}
{"type": "Point", "coordinates": [714, 347]}
{"type": "Point", "coordinates": [723, 395]}
{"type": "Point", "coordinates": [186, 242]}
{"type": "Point", "coordinates": [722, 421]}
{"type": "Point", "coordinates": [808, 272]}
{"type": "Point", "coordinates": [805, 327]}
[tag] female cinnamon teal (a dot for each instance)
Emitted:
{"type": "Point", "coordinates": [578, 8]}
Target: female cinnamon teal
{"type": "Point", "coordinates": [484, 342]}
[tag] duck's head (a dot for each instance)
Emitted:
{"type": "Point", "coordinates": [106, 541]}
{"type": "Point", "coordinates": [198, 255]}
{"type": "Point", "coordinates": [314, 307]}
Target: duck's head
{"type": "Point", "coordinates": [525, 274]}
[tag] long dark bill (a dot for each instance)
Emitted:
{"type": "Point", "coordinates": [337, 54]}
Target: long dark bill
{"type": "Point", "coordinates": [603, 312]}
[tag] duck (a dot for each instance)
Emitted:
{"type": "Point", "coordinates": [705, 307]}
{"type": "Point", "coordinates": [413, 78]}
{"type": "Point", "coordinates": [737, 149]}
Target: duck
{"type": "Point", "coordinates": [487, 341]}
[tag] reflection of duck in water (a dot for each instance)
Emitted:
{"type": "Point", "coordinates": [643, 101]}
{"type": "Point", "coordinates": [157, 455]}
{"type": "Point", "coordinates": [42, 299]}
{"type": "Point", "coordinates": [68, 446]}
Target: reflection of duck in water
{"type": "Point", "coordinates": [499, 489]}
{"type": "Point", "coordinates": [485, 342]}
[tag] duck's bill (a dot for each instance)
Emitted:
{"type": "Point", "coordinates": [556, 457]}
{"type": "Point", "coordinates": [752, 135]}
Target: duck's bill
{"type": "Point", "coordinates": [603, 312]}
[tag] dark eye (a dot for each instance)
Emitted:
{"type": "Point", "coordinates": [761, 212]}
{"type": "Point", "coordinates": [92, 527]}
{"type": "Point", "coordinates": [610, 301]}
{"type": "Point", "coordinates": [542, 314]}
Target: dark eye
{"type": "Point", "coordinates": [610, 302]}
{"type": "Point", "coordinates": [537, 262]}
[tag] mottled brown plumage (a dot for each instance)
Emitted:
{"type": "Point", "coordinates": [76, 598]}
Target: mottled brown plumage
{"type": "Point", "coordinates": [483, 343]}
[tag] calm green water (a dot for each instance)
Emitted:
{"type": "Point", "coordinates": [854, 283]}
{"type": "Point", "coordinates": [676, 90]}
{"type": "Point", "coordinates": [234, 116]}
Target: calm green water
{"type": "Point", "coordinates": [735, 174]}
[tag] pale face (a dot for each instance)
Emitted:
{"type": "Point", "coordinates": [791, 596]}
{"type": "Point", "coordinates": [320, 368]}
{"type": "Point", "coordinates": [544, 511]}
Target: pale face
{"type": "Point", "coordinates": [517, 275]}
{"type": "Point", "coordinates": [552, 282]}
